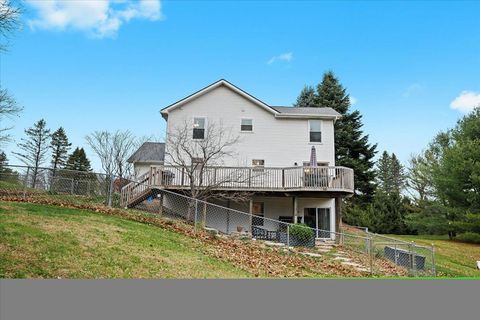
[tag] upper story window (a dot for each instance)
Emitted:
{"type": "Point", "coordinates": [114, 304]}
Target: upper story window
{"type": "Point", "coordinates": [315, 130]}
{"type": "Point", "coordinates": [199, 128]}
{"type": "Point", "coordinates": [246, 125]}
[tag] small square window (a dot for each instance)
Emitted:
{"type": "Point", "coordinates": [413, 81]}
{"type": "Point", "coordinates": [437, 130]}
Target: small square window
{"type": "Point", "coordinates": [246, 125]}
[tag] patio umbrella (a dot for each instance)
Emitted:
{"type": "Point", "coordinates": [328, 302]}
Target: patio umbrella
{"type": "Point", "coordinates": [313, 157]}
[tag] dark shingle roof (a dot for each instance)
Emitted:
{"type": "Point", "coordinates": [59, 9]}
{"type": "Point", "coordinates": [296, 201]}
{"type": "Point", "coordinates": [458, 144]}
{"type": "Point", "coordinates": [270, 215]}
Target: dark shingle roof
{"type": "Point", "coordinates": [149, 152]}
{"type": "Point", "coordinates": [307, 111]}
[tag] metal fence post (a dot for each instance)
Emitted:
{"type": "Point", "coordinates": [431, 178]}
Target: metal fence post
{"type": "Point", "coordinates": [414, 262]}
{"type": "Point", "coordinates": [434, 270]}
{"type": "Point", "coordinates": [25, 182]}
{"type": "Point", "coordinates": [288, 237]}
{"type": "Point", "coordinates": [370, 249]}
{"type": "Point", "coordinates": [195, 216]}
{"type": "Point", "coordinates": [110, 192]}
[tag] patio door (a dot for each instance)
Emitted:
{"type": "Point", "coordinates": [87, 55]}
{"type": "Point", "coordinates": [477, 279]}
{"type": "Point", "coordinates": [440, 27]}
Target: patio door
{"type": "Point", "coordinates": [319, 219]}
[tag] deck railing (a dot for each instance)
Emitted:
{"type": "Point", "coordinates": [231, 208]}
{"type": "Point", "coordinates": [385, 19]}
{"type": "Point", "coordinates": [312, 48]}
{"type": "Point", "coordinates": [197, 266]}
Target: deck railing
{"type": "Point", "coordinates": [256, 178]}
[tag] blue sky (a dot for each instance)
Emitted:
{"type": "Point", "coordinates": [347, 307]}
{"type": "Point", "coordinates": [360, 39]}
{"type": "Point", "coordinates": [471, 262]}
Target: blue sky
{"type": "Point", "coordinates": [104, 65]}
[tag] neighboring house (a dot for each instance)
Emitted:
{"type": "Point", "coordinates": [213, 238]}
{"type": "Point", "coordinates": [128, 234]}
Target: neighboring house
{"type": "Point", "coordinates": [276, 144]}
{"type": "Point", "coordinates": [149, 154]}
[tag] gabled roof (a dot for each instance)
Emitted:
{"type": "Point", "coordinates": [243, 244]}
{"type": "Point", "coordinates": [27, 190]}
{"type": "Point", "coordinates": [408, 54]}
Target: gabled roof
{"type": "Point", "coordinates": [149, 152]}
{"type": "Point", "coordinates": [278, 111]}
{"type": "Point", "coordinates": [221, 82]}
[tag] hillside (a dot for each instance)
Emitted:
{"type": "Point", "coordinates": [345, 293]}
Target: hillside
{"type": "Point", "coordinates": [39, 240]}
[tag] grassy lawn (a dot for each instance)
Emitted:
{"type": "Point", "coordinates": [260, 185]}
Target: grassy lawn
{"type": "Point", "coordinates": [453, 259]}
{"type": "Point", "coordinates": [38, 241]}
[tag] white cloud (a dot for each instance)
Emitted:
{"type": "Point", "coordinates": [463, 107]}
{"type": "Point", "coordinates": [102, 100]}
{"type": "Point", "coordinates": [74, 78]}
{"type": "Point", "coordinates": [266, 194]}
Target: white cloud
{"type": "Point", "coordinates": [288, 56]}
{"type": "Point", "coordinates": [412, 89]}
{"type": "Point", "coordinates": [466, 101]}
{"type": "Point", "coordinates": [99, 18]}
{"type": "Point", "coordinates": [353, 100]}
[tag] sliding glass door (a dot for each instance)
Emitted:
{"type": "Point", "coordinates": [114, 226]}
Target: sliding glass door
{"type": "Point", "coordinates": [319, 219]}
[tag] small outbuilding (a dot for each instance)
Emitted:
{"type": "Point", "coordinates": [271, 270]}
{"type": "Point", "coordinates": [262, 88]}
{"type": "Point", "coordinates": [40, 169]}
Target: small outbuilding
{"type": "Point", "coordinates": [149, 154]}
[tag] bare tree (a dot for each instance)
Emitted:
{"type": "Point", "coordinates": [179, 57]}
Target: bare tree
{"type": "Point", "coordinates": [113, 149]}
{"type": "Point", "coordinates": [199, 159]}
{"type": "Point", "coordinates": [101, 143]}
{"type": "Point", "coordinates": [9, 22]}
{"type": "Point", "coordinates": [8, 109]}
{"type": "Point", "coordinates": [9, 18]}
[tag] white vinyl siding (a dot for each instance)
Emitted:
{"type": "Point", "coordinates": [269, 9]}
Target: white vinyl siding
{"type": "Point", "coordinates": [280, 142]}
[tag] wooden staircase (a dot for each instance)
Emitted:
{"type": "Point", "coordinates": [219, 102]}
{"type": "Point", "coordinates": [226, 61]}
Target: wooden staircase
{"type": "Point", "coordinates": [138, 191]}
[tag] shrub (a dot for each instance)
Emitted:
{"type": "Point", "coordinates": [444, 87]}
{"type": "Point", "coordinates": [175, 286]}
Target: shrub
{"type": "Point", "coordinates": [301, 232]}
{"type": "Point", "coordinates": [469, 237]}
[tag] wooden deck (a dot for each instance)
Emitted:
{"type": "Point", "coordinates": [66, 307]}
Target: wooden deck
{"type": "Point", "coordinates": [258, 179]}
{"type": "Point", "coordinates": [255, 179]}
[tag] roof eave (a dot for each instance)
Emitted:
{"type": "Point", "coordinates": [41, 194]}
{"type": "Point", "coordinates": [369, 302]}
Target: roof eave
{"type": "Point", "coordinates": [307, 116]}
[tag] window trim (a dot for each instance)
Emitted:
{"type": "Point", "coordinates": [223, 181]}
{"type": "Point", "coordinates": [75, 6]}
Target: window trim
{"type": "Point", "coordinates": [204, 129]}
{"type": "Point", "coordinates": [321, 131]}
{"type": "Point", "coordinates": [247, 131]}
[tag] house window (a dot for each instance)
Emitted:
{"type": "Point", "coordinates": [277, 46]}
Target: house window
{"type": "Point", "coordinates": [315, 129]}
{"type": "Point", "coordinates": [246, 125]}
{"type": "Point", "coordinates": [199, 128]}
{"type": "Point", "coordinates": [197, 163]}
{"type": "Point", "coordinates": [258, 212]}
{"type": "Point", "coordinates": [258, 164]}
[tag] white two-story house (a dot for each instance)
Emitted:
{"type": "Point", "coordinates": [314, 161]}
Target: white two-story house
{"type": "Point", "coordinates": [275, 147]}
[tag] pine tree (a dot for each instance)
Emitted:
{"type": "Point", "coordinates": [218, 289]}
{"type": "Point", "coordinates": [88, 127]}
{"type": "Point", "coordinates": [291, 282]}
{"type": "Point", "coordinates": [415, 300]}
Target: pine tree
{"type": "Point", "coordinates": [78, 161]}
{"type": "Point", "coordinates": [35, 148]}
{"type": "Point", "coordinates": [306, 98]}
{"type": "Point", "coordinates": [352, 148]}
{"type": "Point", "coordinates": [60, 147]}
{"type": "Point", "coordinates": [4, 163]}
{"type": "Point", "coordinates": [390, 175]}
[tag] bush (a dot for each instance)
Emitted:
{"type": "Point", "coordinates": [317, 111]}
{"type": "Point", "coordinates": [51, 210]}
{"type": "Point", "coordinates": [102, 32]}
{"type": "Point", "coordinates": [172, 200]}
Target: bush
{"type": "Point", "coordinates": [469, 237]}
{"type": "Point", "coordinates": [301, 232]}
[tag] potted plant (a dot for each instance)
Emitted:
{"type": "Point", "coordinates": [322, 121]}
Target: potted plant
{"type": "Point", "coordinates": [301, 235]}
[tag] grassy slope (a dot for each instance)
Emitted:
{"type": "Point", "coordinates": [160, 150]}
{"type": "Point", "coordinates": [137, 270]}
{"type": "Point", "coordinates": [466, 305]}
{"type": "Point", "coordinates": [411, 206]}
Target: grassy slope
{"type": "Point", "coordinates": [453, 259]}
{"type": "Point", "coordinates": [49, 242]}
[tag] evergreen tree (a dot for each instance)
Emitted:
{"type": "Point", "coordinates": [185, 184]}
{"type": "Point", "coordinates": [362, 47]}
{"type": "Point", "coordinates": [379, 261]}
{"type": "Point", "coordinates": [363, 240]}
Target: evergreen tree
{"type": "Point", "coordinates": [352, 148]}
{"type": "Point", "coordinates": [78, 161]}
{"type": "Point", "coordinates": [306, 98]}
{"type": "Point", "coordinates": [35, 148]}
{"type": "Point", "coordinates": [3, 162]}
{"type": "Point", "coordinates": [390, 175]}
{"type": "Point", "coordinates": [60, 147]}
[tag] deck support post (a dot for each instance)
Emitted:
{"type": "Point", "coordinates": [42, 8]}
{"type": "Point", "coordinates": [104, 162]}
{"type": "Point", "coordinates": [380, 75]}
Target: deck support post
{"type": "Point", "coordinates": [250, 210]}
{"type": "Point", "coordinates": [295, 209]}
{"type": "Point", "coordinates": [338, 214]}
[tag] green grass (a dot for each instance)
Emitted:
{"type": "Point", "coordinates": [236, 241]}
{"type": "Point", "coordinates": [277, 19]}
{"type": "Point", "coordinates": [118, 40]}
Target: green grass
{"type": "Point", "coordinates": [38, 241]}
{"type": "Point", "coordinates": [453, 259]}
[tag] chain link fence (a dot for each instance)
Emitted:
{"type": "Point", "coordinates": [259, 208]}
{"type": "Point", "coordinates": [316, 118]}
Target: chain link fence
{"type": "Point", "coordinates": [87, 186]}
{"type": "Point", "coordinates": [376, 252]}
